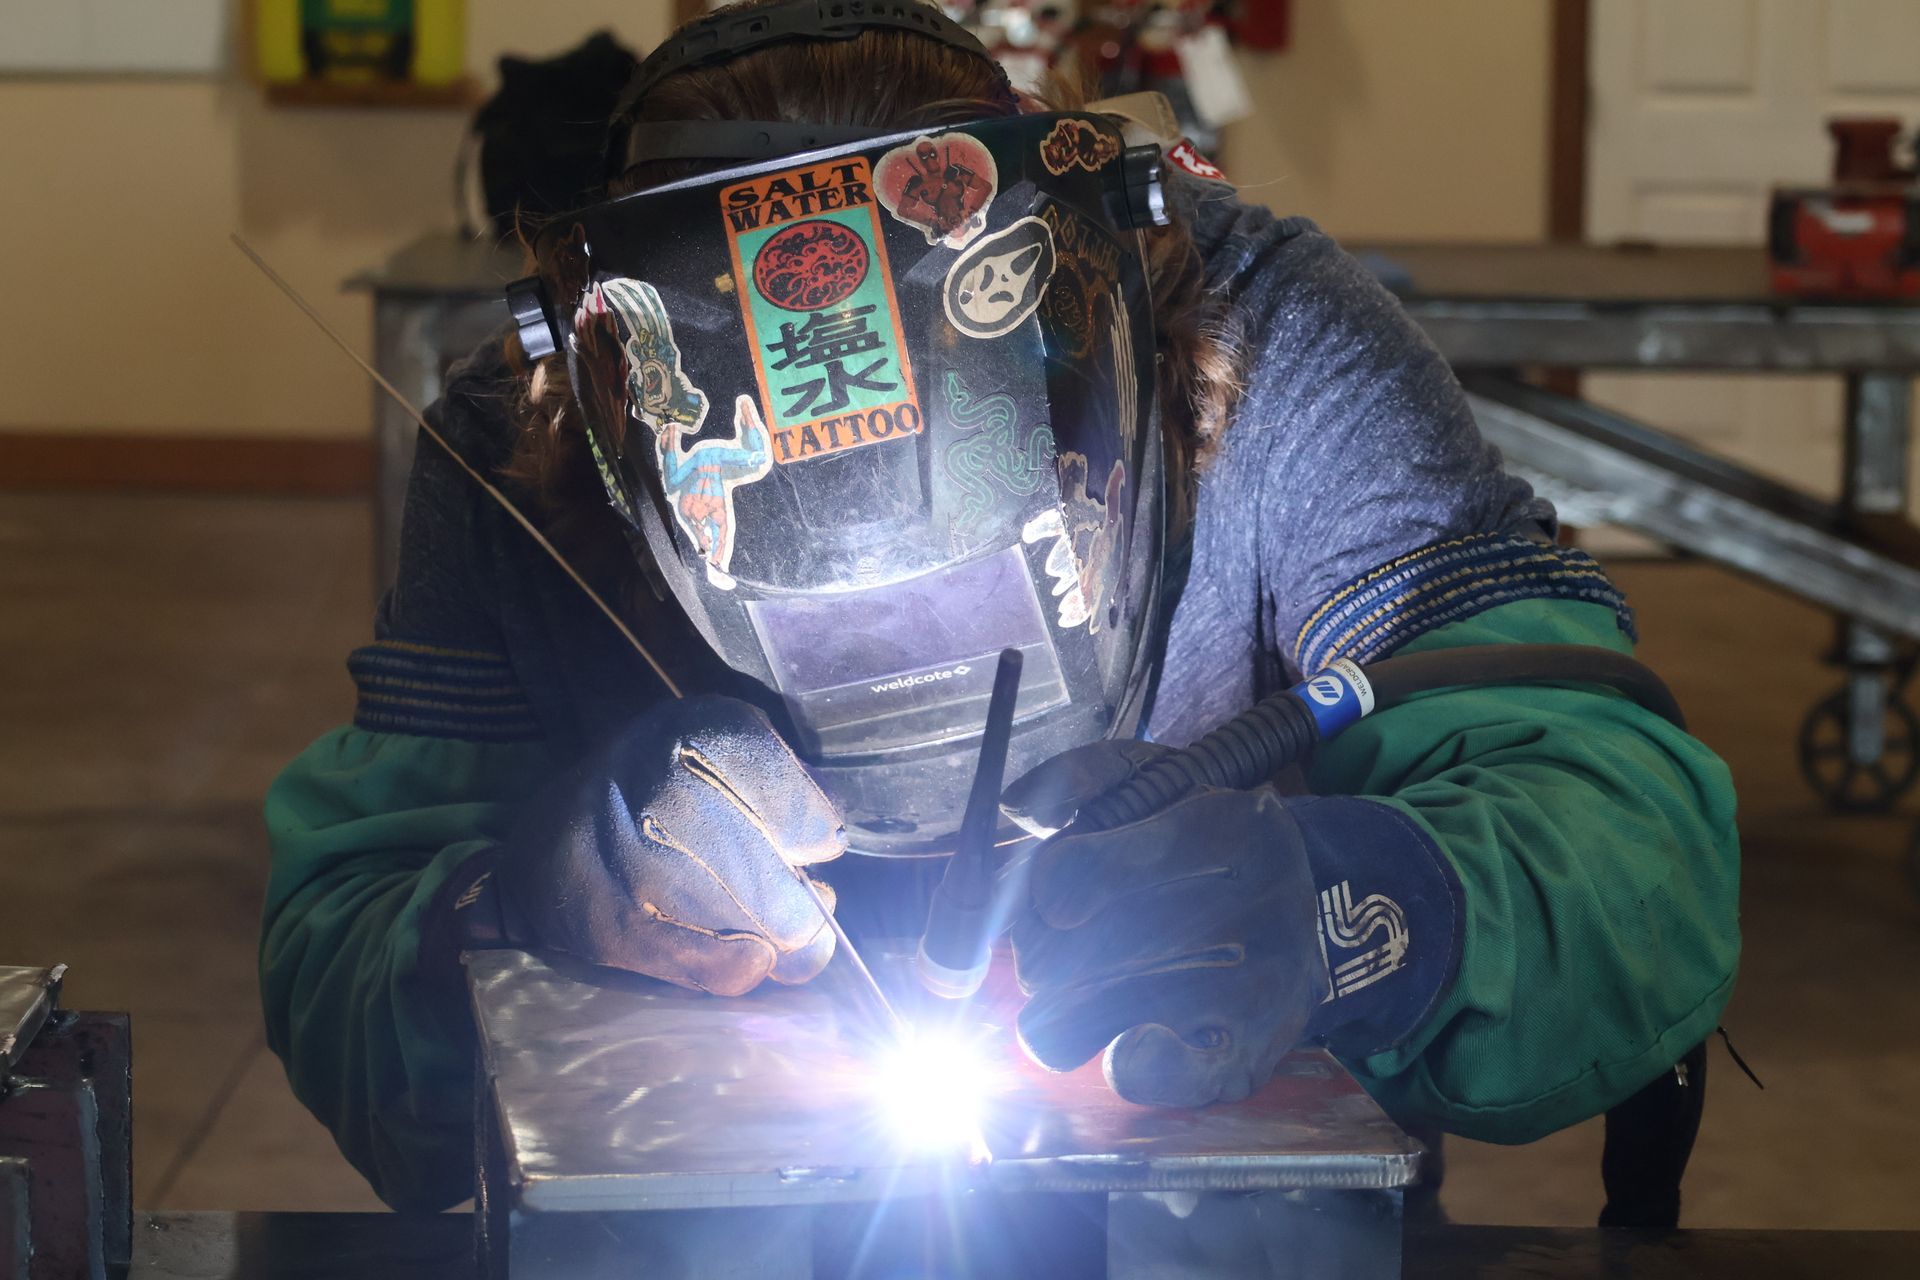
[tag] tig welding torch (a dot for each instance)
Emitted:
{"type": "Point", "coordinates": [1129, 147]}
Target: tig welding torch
{"type": "Point", "coordinates": [973, 903]}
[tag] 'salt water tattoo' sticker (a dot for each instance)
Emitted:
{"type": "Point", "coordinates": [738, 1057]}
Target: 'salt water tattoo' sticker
{"type": "Point", "coordinates": [991, 452]}
{"type": "Point", "coordinates": [699, 481]}
{"type": "Point", "coordinates": [996, 285]}
{"type": "Point", "coordinates": [810, 268]}
{"type": "Point", "coordinates": [1184, 155]}
{"type": "Point", "coordinates": [941, 185]}
{"type": "Point", "coordinates": [1086, 547]}
{"type": "Point", "coordinates": [1077, 142]}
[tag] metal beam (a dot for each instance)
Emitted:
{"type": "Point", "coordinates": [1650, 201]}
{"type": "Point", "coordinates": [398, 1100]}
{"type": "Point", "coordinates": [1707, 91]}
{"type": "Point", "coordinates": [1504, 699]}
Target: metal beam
{"type": "Point", "coordinates": [1628, 474]}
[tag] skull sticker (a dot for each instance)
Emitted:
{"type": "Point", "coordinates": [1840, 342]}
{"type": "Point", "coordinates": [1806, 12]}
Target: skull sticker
{"type": "Point", "coordinates": [995, 286]}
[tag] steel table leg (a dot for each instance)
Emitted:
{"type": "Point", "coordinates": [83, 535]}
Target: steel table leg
{"type": "Point", "coordinates": [1878, 434]}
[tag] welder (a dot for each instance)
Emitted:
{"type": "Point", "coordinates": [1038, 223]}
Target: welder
{"type": "Point", "coordinates": [867, 369]}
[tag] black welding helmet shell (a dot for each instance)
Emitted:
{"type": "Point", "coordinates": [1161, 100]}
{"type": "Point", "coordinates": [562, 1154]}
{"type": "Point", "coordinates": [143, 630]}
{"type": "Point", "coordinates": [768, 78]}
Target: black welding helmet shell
{"type": "Point", "coordinates": [874, 413]}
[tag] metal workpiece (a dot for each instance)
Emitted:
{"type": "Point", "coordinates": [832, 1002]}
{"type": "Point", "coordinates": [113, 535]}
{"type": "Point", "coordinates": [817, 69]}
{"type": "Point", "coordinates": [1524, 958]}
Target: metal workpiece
{"type": "Point", "coordinates": [66, 1134]}
{"type": "Point", "coordinates": [621, 1093]}
{"type": "Point", "coordinates": [27, 995]}
{"type": "Point", "coordinates": [621, 1117]}
{"type": "Point", "coordinates": [1644, 480]}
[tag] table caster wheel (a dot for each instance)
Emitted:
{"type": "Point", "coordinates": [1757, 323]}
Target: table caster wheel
{"type": "Point", "coordinates": [1848, 785]}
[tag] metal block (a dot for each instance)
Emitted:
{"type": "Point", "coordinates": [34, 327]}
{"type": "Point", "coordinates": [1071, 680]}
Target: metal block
{"type": "Point", "coordinates": [15, 1207]}
{"type": "Point", "coordinates": [1260, 1235]}
{"type": "Point", "coordinates": [1652, 483]}
{"type": "Point", "coordinates": [54, 1128]}
{"type": "Point", "coordinates": [693, 1244]}
{"type": "Point", "coordinates": [96, 1049]}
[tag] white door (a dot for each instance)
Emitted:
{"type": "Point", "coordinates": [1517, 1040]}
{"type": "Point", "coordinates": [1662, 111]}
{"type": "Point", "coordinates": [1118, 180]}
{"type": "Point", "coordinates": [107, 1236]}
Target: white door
{"type": "Point", "coordinates": [1697, 109]}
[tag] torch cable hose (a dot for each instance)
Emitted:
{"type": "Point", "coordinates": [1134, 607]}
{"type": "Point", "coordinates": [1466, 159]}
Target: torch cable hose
{"type": "Point", "coordinates": [1279, 730]}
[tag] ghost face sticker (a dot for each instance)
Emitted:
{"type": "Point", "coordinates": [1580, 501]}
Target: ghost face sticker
{"type": "Point", "coordinates": [996, 285]}
{"type": "Point", "coordinates": [816, 293]}
{"type": "Point", "coordinates": [941, 185]}
{"type": "Point", "coordinates": [1077, 143]}
{"type": "Point", "coordinates": [1086, 530]}
{"type": "Point", "coordinates": [698, 481]}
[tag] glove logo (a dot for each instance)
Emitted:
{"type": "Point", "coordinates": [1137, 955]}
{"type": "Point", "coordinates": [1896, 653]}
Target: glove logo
{"type": "Point", "coordinates": [1348, 926]}
{"type": "Point", "coordinates": [1326, 690]}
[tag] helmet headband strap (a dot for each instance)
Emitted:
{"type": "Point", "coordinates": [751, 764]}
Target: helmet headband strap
{"type": "Point", "coordinates": [729, 33]}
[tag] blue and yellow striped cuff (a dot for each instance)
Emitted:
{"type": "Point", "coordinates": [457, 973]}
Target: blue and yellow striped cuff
{"type": "Point", "coordinates": [1381, 610]}
{"type": "Point", "coordinates": [435, 692]}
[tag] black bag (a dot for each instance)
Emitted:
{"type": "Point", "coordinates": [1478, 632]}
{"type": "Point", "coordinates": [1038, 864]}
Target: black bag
{"type": "Point", "coordinates": [542, 138]}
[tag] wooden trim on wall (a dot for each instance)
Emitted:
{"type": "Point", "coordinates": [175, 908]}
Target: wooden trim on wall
{"type": "Point", "coordinates": [185, 464]}
{"type": "Point", "coordinates": [1567, 124]}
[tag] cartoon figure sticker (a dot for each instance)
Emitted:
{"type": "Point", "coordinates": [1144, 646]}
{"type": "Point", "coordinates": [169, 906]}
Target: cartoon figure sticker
{"type": "Point", "coordinates": [810, 268]}
{"type": "Point", "coordinates": [698, 481]}
{"type": "Point", "coordinates": [991, 453]}
{"type": "Point", "coordinates": [1077, 142]}
{"type": "Point", "coordinates": [1081, 289]}
{"type": "Point", "coordinates": [1184, 155]}
{"type": "Point", "coordinates": [1086, 550]}
{"type": "Point", "coordinates": [995, 286]}
{"type": "Point", "coordinates": [941, 185]}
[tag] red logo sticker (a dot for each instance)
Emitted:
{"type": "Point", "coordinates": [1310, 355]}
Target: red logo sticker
{"type": "Point", "coordinates": [810, 265]}
{"type": "Point", "coordinates": [1185, 155]}
{"type": "Point", "coordinates": [941, 185]}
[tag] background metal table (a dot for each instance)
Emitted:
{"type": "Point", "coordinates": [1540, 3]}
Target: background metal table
{"type": "Point", "coordinates": [1497, 311]}
{"type": "Point", "coordinates": [433, 302]}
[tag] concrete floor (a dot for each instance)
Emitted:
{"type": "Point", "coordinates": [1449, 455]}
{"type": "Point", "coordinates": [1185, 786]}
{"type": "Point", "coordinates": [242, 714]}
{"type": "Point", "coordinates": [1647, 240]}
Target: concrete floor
{"type": "Point", "coordinates": [165, 656]}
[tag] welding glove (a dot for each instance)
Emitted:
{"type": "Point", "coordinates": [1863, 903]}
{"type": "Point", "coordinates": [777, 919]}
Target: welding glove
{"type": "Point", "coordinates": [1200, 944]}
{"type": "Point", "coordinates": [676, 851]}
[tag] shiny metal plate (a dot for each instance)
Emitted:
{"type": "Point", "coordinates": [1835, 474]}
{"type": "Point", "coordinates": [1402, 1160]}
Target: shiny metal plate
{"type": "Point", "coordinates": [26, 997]}
{"type": "Point", "coordinates": [617, 1093]}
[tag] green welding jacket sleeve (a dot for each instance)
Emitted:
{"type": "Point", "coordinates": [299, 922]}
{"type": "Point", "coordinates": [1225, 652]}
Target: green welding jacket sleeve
{"type": "Point", "coordinates": [1596, 847]}
{"type": "Point", "coordinates": [359, 970]}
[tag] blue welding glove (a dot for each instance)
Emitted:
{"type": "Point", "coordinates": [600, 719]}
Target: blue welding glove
{"type": "Point", "coordinates": [1199, 945]}
{"type": "Point", "coordinates": [676, 851]}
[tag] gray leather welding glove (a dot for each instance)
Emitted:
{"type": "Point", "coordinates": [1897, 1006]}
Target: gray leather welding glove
{"type": "Point", "coordinates": [673, 852]}
{"type": "Point", "coordinates": [1194, 946]}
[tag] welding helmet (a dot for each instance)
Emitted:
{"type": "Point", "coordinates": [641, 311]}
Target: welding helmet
{"type": "Point", "coordinates": [874, 412]}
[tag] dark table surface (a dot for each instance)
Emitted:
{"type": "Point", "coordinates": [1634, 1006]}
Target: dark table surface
{"type": "Point", "coordinates": [339, 1246]}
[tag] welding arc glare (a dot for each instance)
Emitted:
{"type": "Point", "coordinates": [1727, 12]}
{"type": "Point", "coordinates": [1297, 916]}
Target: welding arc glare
{"type": "Point", "coordinates": [932, 1090]}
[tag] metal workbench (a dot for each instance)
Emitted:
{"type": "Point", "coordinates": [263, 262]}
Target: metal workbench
{"type": "Point", "coordinates": [371, 1246]}
{"type": "Point", "coordinates": [1494, 312]}
{"type": "Point", "coordinates": [1497, 312]}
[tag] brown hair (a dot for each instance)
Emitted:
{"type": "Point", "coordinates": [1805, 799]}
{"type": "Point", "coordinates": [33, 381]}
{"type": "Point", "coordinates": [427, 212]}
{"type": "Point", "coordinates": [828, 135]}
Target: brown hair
{"type": "Point", "coordinates": [896, 81]}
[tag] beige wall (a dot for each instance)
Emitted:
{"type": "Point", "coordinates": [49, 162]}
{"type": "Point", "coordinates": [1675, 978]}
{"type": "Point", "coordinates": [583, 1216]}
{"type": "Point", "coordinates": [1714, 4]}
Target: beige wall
{"type": "Point", "coordinates": [1403, 119]}
{"type": "Point", "coordinates": [127, 310]}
